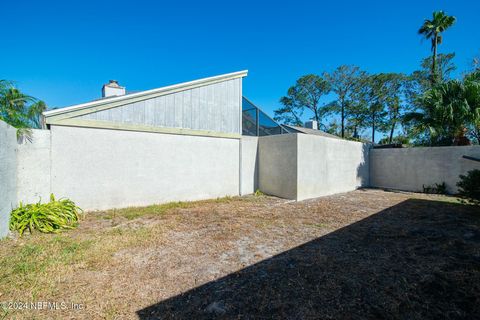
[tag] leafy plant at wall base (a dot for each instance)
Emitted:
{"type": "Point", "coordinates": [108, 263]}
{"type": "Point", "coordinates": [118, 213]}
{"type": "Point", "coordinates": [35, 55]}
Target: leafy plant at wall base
{"type": "Point", "coordinates": [469, 186]}
{"type": "Point", "coordinates": [258, 193]}
{"type": "Point", "coordinates": [50, 217]}
{"type": "Point", "coordinates": [437, 188]}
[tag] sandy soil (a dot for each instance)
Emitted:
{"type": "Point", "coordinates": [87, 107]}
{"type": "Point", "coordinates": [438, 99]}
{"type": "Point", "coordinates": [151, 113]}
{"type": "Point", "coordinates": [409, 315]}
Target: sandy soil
{"type": "Point", "coordinates": [360, 255]}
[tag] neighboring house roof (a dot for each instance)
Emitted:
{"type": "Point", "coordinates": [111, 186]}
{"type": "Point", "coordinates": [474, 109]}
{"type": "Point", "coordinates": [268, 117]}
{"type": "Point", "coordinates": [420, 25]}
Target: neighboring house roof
{"type": "Point", "coordinates": [138, 96]}
{"type": "Point", "coordinates": [296, 129]}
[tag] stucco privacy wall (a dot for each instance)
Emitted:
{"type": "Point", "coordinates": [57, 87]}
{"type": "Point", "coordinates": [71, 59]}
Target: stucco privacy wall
{"type": "Point", "coordinates": [327, 166]}
{"type": "Point", "coordinates": [101, 168]}
{"type": "Point", "coordinates": [8, 176]}
{"type": "Point", "coordinates": [299, 166]}
{"type": "Point", "coordinates": [410, 168]}
{"type": "Point", "coordinates": [277, 164]}
{"type": "Point", "coordinates": [33, 167]}
{"type": "Point", "coordinates": [249, 165]}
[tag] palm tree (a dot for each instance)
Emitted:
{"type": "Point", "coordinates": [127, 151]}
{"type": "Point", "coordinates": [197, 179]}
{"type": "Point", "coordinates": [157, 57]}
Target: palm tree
{"type": "Point", "coordinates": [448, 111]}
{"type": "Point", "coordinates": [432, 29]}
{"type": "Point", "coordinates": [472, 98]}
{"type": "Point", "coordinates": [18, 109]}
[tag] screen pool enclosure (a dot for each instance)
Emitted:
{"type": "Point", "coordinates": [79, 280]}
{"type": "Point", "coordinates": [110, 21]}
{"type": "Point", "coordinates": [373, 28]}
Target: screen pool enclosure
{"type": "Point", "coordinates": [255, 122]}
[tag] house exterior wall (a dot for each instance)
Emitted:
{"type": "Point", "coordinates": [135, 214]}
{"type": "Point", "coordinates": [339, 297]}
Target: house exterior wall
{"type": "Point", "coordinates": [410, 169]}
{"type": "Point", "coordinates": [8, 175]}
{"type": "Point", "coordinates": [101, 168]}
{"type": "Point", "coordinates": [214, 107]}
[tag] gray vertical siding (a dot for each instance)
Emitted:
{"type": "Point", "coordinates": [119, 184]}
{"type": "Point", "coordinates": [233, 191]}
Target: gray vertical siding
{"type": "Point", "coordinates": [214, 107]}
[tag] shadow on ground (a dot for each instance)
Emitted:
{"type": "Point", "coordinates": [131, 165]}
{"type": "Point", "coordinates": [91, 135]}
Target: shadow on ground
{"type": "Point", "coordinates": [419, 259]}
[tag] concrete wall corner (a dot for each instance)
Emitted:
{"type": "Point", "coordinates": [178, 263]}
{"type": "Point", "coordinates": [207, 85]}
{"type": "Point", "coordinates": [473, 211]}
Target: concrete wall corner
{"type": "Point", "coordinates": [8, 175]}
{"type": "Point", "coordinates": [278, 157]}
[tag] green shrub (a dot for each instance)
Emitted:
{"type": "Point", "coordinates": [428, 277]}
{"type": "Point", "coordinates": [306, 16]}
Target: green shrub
{"type": "Point", "coordinates": [437, 188]}
{"type": "Point", "coordinates": [258, 193]}
{"type": "Point", "coordinates": [469, 186]}
{"type": "Point", "coordinates": [53, 216]}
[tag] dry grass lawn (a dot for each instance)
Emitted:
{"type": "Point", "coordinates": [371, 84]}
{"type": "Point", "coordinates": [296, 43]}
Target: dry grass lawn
{"type": "Point", "coordinates": [363, 254]}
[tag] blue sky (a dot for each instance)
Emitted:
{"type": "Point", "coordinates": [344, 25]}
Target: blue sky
{"type": "Point", "coordinates": [62, 52]}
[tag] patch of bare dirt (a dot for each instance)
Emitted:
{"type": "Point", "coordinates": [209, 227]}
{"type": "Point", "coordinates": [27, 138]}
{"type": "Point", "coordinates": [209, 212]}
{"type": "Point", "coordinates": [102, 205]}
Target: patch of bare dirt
{"type": "Point", "coordinates": [358, 255]}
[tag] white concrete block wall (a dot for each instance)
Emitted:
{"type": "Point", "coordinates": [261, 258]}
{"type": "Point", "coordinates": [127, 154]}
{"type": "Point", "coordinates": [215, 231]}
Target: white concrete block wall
{"type": "Point", "coordinates": [300, 166]}
{"type": "Point", "coordinates": [101, 169]}
{"type": "Point", "coordinates": [410, 168]}
{"type": "Point", "coordinates": [33, 168]}
{"type": "Point", "coordinates": [249, 165]}
{"type": "Point", "coordinates": [8, 174]}
{"type": "Point", "coordinates": [277, 165]}
{"type": "Point", "coordinates": [327, 166]}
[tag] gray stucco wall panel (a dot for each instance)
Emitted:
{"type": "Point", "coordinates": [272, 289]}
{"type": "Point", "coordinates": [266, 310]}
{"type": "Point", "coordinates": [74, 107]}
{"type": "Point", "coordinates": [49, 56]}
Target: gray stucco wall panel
{"type": "Point", "coordinates": [327, 166]}
{"type": "Point", "coordinates": [301, 166]}
{"type": "Point", "coordinates": [102, 169]}
{"type": "Point", "coordinates": [410, 168]}
{"type": "Point", "coordinates": [278, 165]}
{"type": "Point", "coordinates": [33, 168]}
{"type": "Point", "coordinates": [249, 165]}
{"type": "Point", "coordinates": [8, 176]}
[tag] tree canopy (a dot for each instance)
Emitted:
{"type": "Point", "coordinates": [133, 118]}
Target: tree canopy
{"type": "Point", "coordinates": [344, 81]}
{"type": "Point", "coordinates": [18, 109]}
{"type": "Point", "coordinates": [426, 107]}
{"type": "Point", "coordinates": [449, 112]}
{"type": "Point", "coordinates": [432, 29]}
{"type": "Point", "coordinates": [303, 96]}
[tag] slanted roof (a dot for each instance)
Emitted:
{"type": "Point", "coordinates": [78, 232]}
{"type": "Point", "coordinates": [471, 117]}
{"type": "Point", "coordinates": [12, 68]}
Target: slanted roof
{"type": "Point", "coordinates": [205, 107]}
{"type": "Point", "coordinates": [311, 131]}
{"type": "Point", "coordinates": [97, 105]}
